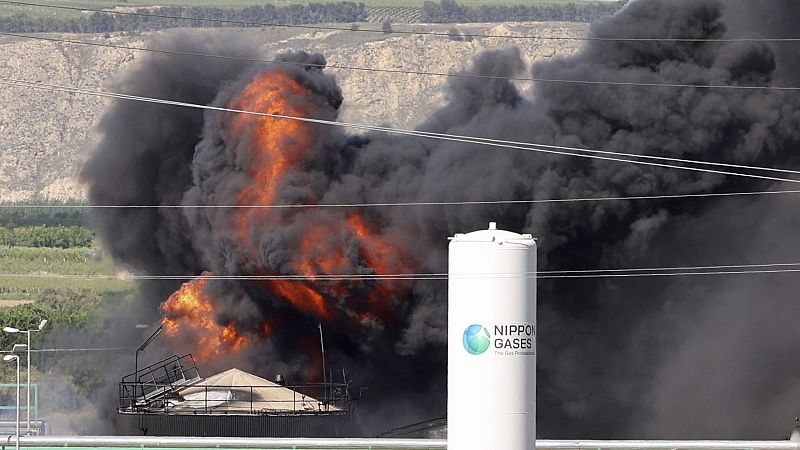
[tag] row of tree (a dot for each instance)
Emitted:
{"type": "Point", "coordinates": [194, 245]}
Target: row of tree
{"type": "Point", "coordinates": [65, 311]}
{"type": "Point", "coordinates": [46, 236]}
{"type": "Point", "coordinates": [449, 11]}
{"type": "Point", "coordinates": [42, 213]}
{"type": "Point", "coordinates": [446, 11]}
{"type": "Point", "coordinates": [172, 17]}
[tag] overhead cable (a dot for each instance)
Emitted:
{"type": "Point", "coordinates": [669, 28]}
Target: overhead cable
{"type": "Point", "coordinates": [418, 203]}
{"type": "Point", "coordinates": [63, 350]}
{"type": "Point", "coordinates": [245, 23]}
{"type": "Point", "coordinates": [425, 277]}
{"type": "Point", "coordinates": [766, 268]}
{"type": "Point", "coordinates": [524, 146]}
{"type": "Point", "coordinates": [404, 71]}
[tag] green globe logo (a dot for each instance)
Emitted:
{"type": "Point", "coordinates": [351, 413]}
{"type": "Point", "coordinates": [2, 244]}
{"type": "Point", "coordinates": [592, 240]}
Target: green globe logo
{"type": "Point", "coordinates": [476, 339]}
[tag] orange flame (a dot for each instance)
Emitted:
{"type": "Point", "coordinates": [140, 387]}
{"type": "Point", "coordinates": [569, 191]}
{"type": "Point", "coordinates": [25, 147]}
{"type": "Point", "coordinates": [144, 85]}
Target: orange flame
{"type": "Point", "coordinates": [269, 148]}
{"type": "Point", "coordinates": [190, 311]}
{"type": "Point", "coordinates": [271, 145]}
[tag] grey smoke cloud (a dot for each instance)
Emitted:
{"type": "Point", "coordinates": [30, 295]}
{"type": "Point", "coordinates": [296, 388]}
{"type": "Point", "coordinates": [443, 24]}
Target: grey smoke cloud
{"type": "Point", "coordinates": [618, 358]}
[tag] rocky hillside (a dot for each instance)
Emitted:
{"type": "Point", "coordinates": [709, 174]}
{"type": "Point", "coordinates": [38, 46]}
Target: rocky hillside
{"type": "Point", "coordinates": [45, 135]}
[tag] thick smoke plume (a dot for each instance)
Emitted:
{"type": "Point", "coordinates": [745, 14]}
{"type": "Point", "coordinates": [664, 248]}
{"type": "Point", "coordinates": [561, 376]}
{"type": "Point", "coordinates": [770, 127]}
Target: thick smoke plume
{"type": "Point", "coordinates": [698, 357]}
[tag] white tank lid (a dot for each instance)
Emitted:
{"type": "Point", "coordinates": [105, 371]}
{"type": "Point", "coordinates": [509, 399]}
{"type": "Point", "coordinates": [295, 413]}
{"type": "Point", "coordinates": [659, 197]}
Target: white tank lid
{"type": "Point", "coordinates": [493, 235]}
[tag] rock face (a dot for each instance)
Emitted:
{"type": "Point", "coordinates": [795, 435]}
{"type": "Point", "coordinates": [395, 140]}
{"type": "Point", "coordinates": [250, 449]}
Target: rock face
{"type": "Point", "coordinates": [45, 135]}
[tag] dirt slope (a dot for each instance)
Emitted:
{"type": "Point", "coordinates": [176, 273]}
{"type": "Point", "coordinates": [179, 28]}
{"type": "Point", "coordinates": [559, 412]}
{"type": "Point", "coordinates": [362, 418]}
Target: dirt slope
{"type": "Point", "coordinates": [44, 136]}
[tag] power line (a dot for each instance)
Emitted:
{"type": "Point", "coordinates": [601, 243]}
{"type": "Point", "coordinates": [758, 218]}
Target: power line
{"type": "Point", "coordinates": [444, 277]}
{"type": "Point", "coordinates": [671, 274]}
{"type": "Point", "coordinates": [738, 269]}
{"type": "Point", "coordinates": [405, 71]}
{"type": "Point", "coordinates": [271, 61]}
{"type": "Point", "coordinates": [63, 350]}
{"type": "Point", "coordinates": [524, 146]}
{"type": "Point", "coordinates": [630, 155]}
{"type": "Point", "coordinates": [673, 268]}
{"type": "Point", "coordinates": [419, 33]}
{"type": "Point", "coordinates": [402, 204]}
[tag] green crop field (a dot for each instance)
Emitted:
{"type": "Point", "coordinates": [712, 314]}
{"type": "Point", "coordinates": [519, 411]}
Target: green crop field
{"type": "Point", "coordinates": [27, 272]}
{"type": "Point", "coordinates": [24, 287]}
{"type": "Point", "coordinates": [71, 261]}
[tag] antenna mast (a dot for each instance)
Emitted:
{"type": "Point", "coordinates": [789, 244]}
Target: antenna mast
{"type": "Point", "coordinates": [322, 347]}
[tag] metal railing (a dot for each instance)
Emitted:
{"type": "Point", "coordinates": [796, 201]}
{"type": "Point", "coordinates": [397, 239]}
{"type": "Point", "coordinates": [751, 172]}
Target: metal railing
{"type": "Point", "coordinates": [157, 380]}
{"type": "Point", "coordinates": [197, 398]}
{"type": "Point", "coordinates": [7, 410]}
{"type": "Point", "coordinates": [147, 442]}
{"type": "Point", "coordinates": [230, 443]}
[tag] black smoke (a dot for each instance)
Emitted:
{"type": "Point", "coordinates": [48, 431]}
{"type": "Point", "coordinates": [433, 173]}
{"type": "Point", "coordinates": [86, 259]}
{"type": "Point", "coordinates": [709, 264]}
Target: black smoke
{"type": "Point", "coordinates": [704, 357]}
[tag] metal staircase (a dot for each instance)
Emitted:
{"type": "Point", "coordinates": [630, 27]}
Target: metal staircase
{"type": "Point", "coordinates": [156, 382]}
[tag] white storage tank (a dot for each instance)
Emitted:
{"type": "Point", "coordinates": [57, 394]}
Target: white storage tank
{"type": "Point", "coordinates": [491, 362]}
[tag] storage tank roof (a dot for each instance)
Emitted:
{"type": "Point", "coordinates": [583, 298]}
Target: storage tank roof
{"type": "Point", "coordinates": [492, 234]}
{"type": "Point", "coordinates": [235, 389]}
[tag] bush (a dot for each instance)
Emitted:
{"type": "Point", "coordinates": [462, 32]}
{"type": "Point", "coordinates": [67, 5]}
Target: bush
{"type": "Point", "coordinates": [449, 11]}
{"type": "Point", "coordinates": [43, 213]}
{"type": "Point", "coordinates": [46, 236]}
{"type": "Point", "coordinates": [342, 12]}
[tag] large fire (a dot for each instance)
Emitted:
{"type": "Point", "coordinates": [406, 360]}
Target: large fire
{"type": "Point", "coordinates": [271, 145]}
{"type": "Point", "coordinates": [189, 312]}
{"type": "Point", "coordinates": [271, 149]}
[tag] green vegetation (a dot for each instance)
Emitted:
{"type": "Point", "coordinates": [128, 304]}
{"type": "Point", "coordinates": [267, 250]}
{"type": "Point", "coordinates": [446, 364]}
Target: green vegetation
{"type": "Point", "coordinates": [68, 308]}
{"type": "Point", "coordinates": [44, 213]}
{"type": "Point", "coordinates": [105, 23]}
{"type": "Point", "coordinates": [27, 273]}
{"type": "Point", "coordinates": [46, 236]}
{"type": "Point", "coordinates": [108, 4]}
{"type": "Point", "coordinates": [71, 261]}
{"type": "Point", "coordinates": [30, 19]}
{"type": "Point", "coordinates": [79, 309]}
{"type": "Point", "coordinates": [36, 243]}
{"type": "Point", "coordinates": [47, 260]}
{"type": "Point", "coordinates": [25, 288]}
{"type": "Point", "coordinates": [449, 11]}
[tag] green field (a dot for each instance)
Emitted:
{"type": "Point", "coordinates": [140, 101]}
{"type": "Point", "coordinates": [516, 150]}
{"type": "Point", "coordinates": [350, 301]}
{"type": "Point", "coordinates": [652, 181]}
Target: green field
{"type": "Point", "coordinates": [27, 272]}
{"type": "Point", "coordinates": [27, 288]}
{"type": "Point", "coordinates": [71, 261]}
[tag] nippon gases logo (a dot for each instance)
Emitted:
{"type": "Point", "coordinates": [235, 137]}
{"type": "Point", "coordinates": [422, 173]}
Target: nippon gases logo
{"type": "Point", "coordinates": [506, 339]}
{"type": "Point", "coordinates": [476, 339]}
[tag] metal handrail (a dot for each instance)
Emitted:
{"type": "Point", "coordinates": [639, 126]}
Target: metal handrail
{"type": "Point", "coordinates": [148, 383]}
{"type": "Point", "coordinates": [161, 363]}
{"type": "Point", "coordinates": [144, 442]}
{"type": "Point", "coordinates": [303, 396]}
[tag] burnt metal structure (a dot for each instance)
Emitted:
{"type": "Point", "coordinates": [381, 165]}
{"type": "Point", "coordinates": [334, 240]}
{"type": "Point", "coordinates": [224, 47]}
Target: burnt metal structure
{"type": "Point", "coordinates": [170, 398]}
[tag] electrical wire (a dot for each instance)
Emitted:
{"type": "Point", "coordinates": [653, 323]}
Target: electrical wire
{"type": "Point", "coordinates": [409, 32]}
{"type": "Point", "coordinates": [270, 61]}
{"type": "Point", "coordinates": [404, 71]}
{"type": "Point", "coordinates": [58, 350]}
{"type": "Point", "coordinates": [400, 204]}
{"type": "Point", "coordinates": [525, 146]}
{"type": "Point", "coordinates": [766, 268]}
{"type": "Point", "coordinates": [427, 277]}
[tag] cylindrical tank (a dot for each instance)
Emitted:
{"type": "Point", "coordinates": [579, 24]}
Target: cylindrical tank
{"type": "Point", "coordinates": [491, 337]}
